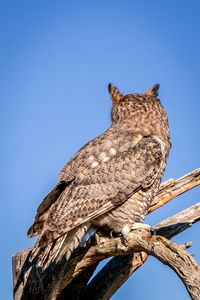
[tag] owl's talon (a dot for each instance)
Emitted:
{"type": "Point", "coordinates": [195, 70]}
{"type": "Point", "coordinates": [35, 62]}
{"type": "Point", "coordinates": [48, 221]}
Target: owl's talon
{"type": "Point", "coordinates": [114, 234]}
{"type": "Point", "coordinates": [97, 238]}
{"type": "Point", "coordinates": [111, 233]}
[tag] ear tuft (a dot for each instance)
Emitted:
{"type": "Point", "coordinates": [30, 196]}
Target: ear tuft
{"type": "Point", "coordinates": [114, 93]}
{"type": "Point", "coordinates": [153, 91]}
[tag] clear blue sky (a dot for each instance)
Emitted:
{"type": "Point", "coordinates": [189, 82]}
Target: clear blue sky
{"type": "Point", "coordinates": [56, 59]}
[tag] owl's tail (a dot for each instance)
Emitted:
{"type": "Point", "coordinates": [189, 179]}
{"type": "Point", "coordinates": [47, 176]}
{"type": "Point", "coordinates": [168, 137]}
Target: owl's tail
{"type": "Point", "coordinates": [71, 242]}
{"type": "Point", "coordinates": [61, 247]}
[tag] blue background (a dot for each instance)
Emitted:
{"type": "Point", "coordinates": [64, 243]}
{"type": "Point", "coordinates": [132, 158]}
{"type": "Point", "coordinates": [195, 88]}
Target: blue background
{"type": "Point", "coordinates": [56, 59]}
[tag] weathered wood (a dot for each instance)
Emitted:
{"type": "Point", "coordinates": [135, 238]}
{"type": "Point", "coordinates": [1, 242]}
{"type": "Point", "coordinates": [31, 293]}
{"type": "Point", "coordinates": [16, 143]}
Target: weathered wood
{"type": "Point", "coordinates": [173, 188]}
{"type": "Point", "coordinates": [73, 290]}
{"type": "Point", "coordinates": [179, 260]}
{"type": "Point", "coordinates": [119, 269]}
{"type": "Point", "coordinates": [32, 282]}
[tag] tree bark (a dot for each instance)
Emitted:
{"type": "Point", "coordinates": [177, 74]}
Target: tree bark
{"type": "Point", "coordinates": [118, 269]}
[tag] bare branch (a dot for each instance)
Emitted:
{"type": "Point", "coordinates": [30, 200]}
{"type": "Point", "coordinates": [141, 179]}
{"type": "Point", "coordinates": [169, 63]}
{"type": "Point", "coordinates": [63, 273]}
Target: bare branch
{"type": "Point", "coordinates": [173, 188]}
{"type": "Point", "coordinates": [180, 261]}
{"type": "Point", "coordinates": [73, 290]}
{"type": "Point", "coordinates": [166, 251]}
{"type": "Point", "coordinates": [35, 283]}
{"type": "Point", "coordinates": [119, 269]}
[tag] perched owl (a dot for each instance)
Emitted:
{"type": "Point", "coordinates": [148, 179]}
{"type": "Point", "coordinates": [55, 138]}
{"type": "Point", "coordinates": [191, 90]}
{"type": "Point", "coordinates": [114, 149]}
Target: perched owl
{"type": "Point", "coordinates": [109, 184]}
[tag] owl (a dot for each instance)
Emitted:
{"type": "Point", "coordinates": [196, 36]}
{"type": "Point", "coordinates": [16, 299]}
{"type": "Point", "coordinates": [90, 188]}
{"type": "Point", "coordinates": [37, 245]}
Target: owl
{"type": "Point", "coordinates": [109, 184]}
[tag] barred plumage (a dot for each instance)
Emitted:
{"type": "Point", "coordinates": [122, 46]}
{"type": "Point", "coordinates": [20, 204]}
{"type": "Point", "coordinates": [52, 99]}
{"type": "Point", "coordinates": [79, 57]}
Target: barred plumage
{"type": "Point", "coordinates": [109, 183]}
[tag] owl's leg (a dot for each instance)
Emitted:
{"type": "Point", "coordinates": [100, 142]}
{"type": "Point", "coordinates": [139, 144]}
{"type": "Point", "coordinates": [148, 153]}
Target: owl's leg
{"type": "Point", "coordinates": [127, 228]}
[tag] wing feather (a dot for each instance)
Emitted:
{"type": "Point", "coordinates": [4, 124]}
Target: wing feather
{"type": "Point", "coordinates": [44, 206]}
{"type": "Point", "coordinates": [100, 189]}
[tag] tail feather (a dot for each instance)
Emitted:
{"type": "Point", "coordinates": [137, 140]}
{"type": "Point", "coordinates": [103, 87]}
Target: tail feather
{"type": "Point", "coordinates": [71, 242]}
{"type": "Point", "coordinates": [63, 246]}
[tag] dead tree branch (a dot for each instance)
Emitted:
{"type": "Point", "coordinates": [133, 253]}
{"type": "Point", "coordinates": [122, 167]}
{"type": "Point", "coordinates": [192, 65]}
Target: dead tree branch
{"type": "Point", "coordinates": [119, 269]}
{"type": "Point", "coordinates": [173, 188]}
{"type": "Point", "coordinates": [31, 282]}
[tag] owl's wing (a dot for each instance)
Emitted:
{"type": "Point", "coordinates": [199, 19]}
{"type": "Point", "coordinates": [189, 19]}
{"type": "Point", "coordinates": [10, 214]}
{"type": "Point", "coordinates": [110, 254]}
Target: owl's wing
{"type": "Point", "coordinates": [99, 189]}
{"type": "Point", "coordinates": [42, 209]}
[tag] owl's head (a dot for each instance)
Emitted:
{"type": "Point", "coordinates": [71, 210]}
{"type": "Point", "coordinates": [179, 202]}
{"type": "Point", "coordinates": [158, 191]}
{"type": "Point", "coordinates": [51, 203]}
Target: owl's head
{"type": "Point", "coordinates": [132, 105]}
{"type": "Point", "coordinates": [142, 113]}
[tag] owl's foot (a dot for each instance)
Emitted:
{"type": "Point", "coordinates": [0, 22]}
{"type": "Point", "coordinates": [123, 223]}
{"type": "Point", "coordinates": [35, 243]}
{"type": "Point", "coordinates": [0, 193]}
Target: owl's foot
{"type": "Point", "coordinates": [141, 226]}
{"type": "Point", "coordinates": [125, 231]}
{"type": "Point", "coordinates": [144, 226]}
{"type": "Point", "coordinates": [127, 228]}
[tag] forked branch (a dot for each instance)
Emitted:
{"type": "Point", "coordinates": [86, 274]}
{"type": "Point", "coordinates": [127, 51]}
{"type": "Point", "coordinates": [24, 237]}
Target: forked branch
{"type": "Point", "coordinates": [31, 282]}
{"type": "Point", "coordinates": [119, 269]}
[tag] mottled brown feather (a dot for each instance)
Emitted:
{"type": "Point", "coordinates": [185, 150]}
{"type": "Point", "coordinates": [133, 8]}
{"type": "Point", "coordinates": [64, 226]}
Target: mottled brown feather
{"type": "Point", "coordinates": [110, 182]}
{"type": "Point", "coordinates": [40, 217]}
